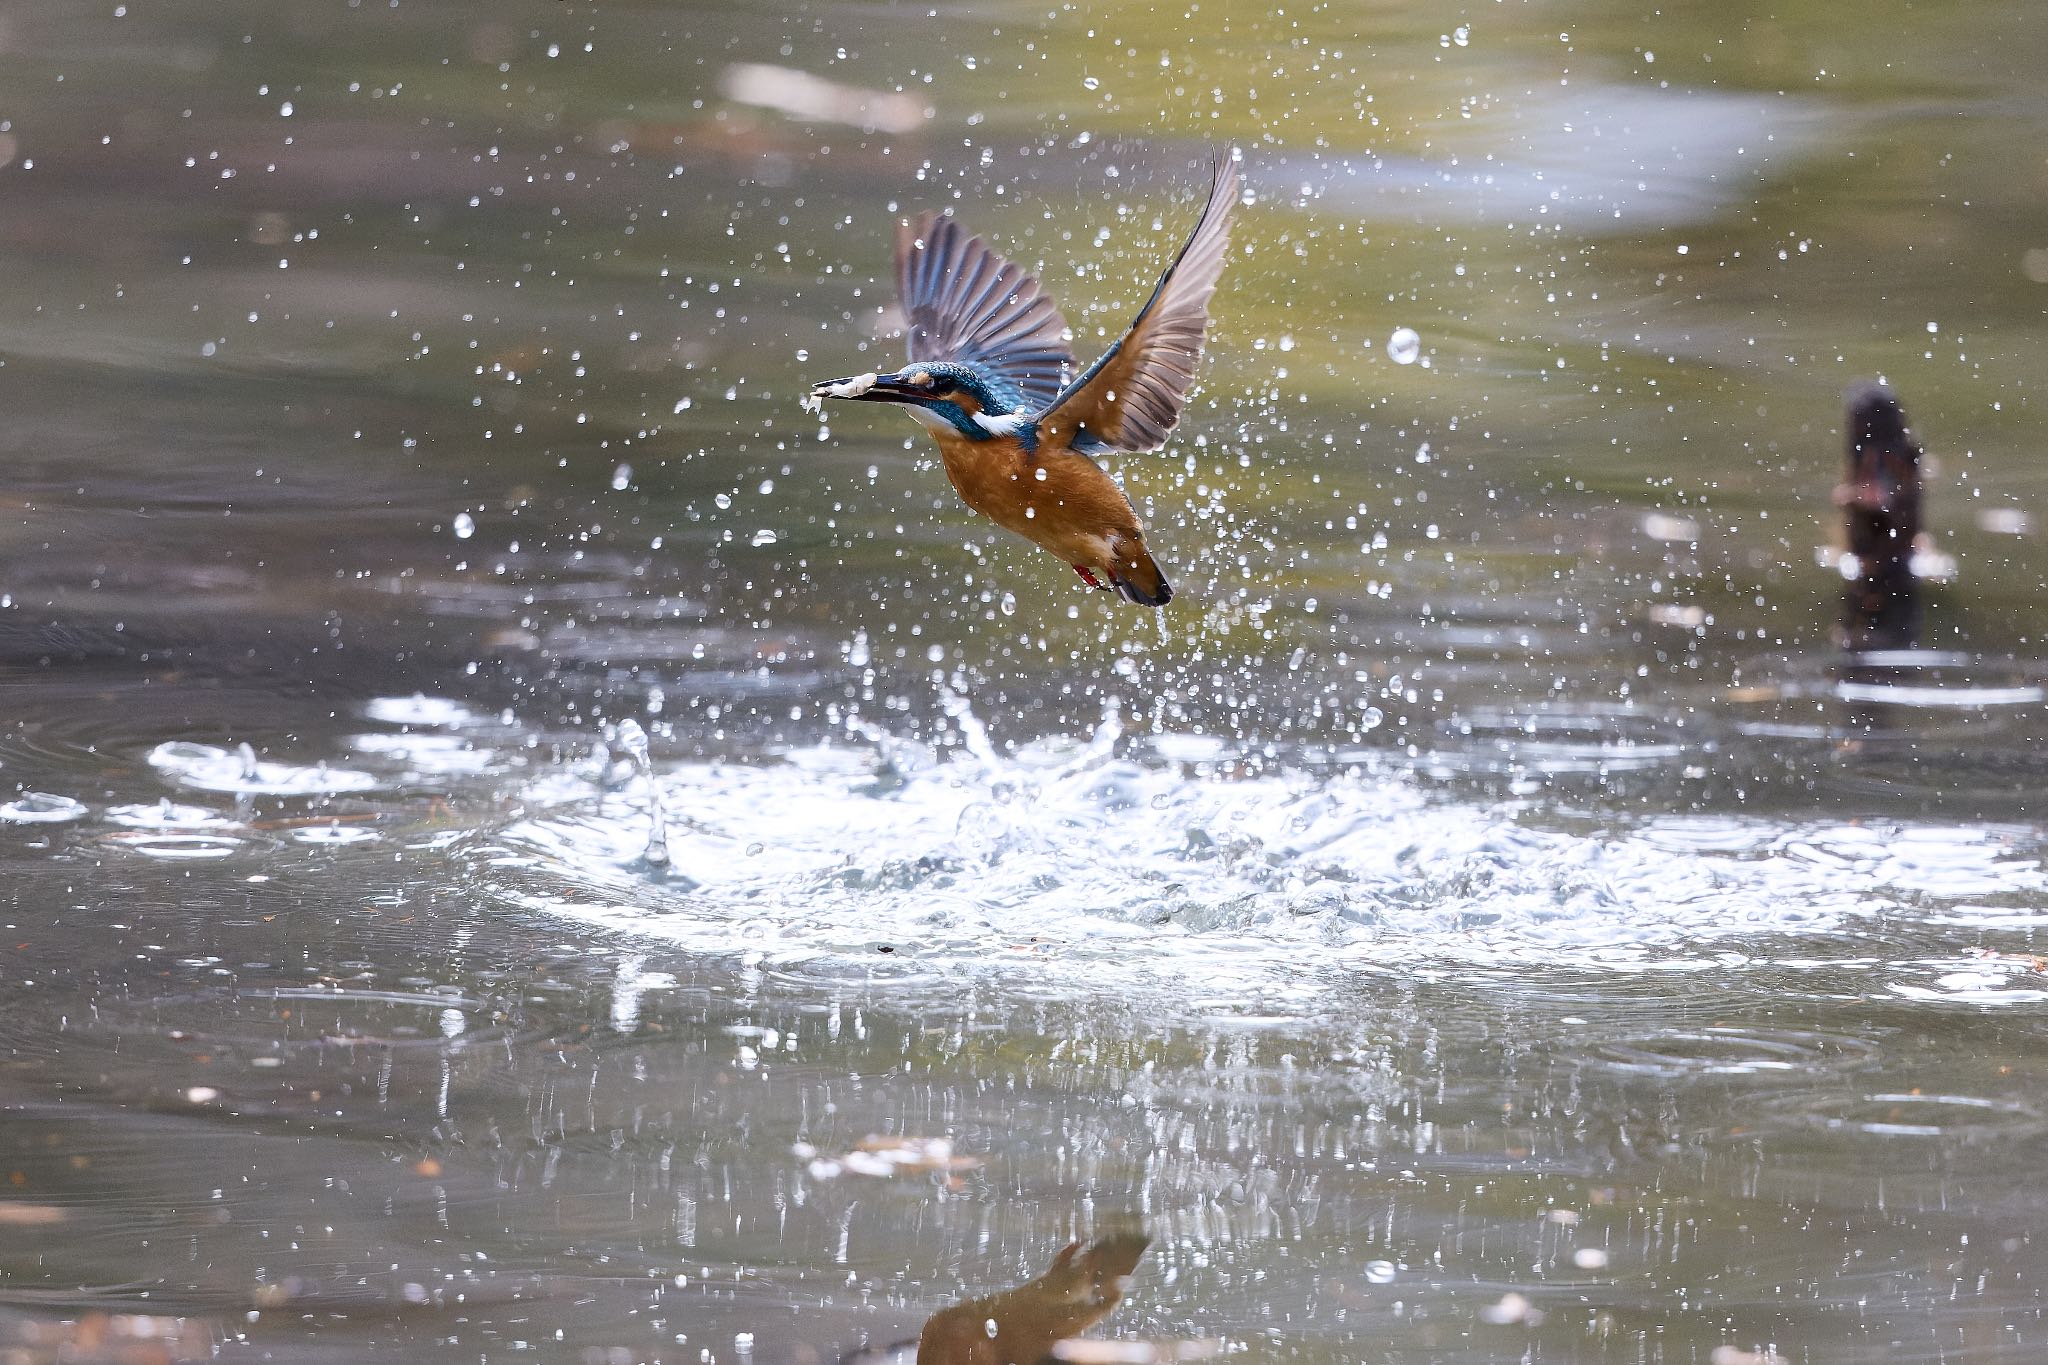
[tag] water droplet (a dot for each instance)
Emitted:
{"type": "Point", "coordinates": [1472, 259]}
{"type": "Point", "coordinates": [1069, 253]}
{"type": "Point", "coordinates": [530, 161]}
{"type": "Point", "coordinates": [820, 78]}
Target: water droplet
{"type": "Point", "coordinates": [764, 537]}
{"type": "Point", "coordinates": [1380, 1272]}
{"type": "Point", "coordinates": [622, 478]}
{"type": "Point", "coordinates": [464, 526]}
{"type": "Point", "coordinates": [1404, 346]}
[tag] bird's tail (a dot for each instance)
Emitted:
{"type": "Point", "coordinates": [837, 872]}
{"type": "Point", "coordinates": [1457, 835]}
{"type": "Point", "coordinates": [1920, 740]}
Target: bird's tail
{"type": "Point", "coordinates": [1134, 575]}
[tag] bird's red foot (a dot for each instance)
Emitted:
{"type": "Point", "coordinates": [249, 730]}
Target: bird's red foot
{"type": "Point", "coordinates": [1087, 576]}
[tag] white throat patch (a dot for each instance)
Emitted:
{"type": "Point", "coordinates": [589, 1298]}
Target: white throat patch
{"type": "Point", "coordinates": [1005, 425]}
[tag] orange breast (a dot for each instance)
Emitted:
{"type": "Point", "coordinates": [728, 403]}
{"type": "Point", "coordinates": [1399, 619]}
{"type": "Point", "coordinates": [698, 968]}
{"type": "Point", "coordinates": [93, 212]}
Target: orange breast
{"type": "Point", "coordinates": [992, 477]}
{"type": "Point", "coordinates": [1059, 500]}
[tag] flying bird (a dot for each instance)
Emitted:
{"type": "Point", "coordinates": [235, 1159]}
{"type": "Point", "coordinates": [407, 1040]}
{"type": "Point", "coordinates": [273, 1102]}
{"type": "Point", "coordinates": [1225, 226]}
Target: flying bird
{"type": "Point", "coordinates": [989, 377]}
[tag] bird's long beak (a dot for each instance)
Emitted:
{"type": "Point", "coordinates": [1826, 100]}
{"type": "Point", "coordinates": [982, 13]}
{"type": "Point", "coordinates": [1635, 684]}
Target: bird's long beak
{"type": "Point", "coordinates": [869, 388]}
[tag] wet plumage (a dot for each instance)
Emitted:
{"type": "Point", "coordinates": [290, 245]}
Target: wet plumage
{"type": "Point", "coordinates": [991, 377]}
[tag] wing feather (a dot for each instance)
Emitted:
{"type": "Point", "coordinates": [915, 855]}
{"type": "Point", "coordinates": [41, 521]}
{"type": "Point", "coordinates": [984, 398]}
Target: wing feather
{"type": "Point", "coordinates": [964, 302]}
{"type": "Point", "coordinates": [1132, 397]}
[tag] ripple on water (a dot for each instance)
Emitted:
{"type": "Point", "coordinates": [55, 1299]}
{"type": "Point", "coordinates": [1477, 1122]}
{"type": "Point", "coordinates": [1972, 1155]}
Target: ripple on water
{"type": "Point", "coordinates": [42, 808]}
{"type": "Point", "coordinates": [279, 1021]}
{"type": "Point", "coordinates": [167, 814]}
{"type": "Point", "coordinates": [420, 710]}
{"type": "Point", "coordinates": [1986, 979]}
{"type": "Point", "coordinates": [210, 768]}
{"type": "Point", "coordinates": [1732, 1052]}
{"type": "Point", "coordinates": [235, 1045]}
{"type": "Point", "coordinates": [434, 738]}
{"type": "Point", "coordinates": [1914, 1114]}
{"type": "Point", "coordinates": [419, 756]}
{"type": "Point", "coordinates": [176, 832]}
{"type": "Point", "coordinates": [1565, 739]}
{"type": "Point", "coordinates": [1935, 726]}
{"type": "Point", "coordinates": [172, 846]}
{"type": "Point", "coordinates": [1935, 680]}
{"type": "Point", "coordinates": [333, 835]}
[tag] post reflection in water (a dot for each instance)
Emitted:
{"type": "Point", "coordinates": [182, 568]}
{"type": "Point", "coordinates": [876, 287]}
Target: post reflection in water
{"type": "Point", "coordinates": [1880, 500]}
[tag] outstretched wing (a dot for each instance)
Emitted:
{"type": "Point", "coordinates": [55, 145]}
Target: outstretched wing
{"type": "Point", "coordinates": [1132, 397]}
{"type": "Point", "coordinates": [966, 303]}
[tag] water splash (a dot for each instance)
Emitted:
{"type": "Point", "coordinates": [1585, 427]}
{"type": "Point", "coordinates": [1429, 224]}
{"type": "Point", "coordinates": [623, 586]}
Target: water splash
{"type": "Point", "coordinates": [1119, 858]}
{"type": "Point", "coordinates": [633, 740]}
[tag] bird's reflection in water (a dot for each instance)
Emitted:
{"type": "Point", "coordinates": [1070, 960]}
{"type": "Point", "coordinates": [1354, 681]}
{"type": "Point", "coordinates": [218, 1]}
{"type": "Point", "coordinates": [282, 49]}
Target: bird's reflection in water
{"type": "Point", "coordinates": [1038, 1321]}
{"type": "Point", "coordinates": [1022, 1326]}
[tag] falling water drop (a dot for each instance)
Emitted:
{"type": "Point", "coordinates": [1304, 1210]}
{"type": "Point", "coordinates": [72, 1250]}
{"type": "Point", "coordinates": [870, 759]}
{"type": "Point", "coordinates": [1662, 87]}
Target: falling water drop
{"type": "Point", "coordinates": [464, 526]}
{"type": "Point", "coordinates": [1404, 346]}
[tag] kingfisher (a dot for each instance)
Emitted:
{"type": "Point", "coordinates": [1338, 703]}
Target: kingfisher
{"type": "Point", "coordinates": [991, 376]}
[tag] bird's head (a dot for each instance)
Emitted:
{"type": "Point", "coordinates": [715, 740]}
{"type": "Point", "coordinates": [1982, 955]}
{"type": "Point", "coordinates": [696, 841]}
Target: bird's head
{"type": "Point", "coordinates": [939, 393]}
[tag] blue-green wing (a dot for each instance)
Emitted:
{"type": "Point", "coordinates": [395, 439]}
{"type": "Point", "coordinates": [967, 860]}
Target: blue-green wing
{"type": "Point", "coordinates": [1132, 397]}
{"type": "Point", "coordinates": [962, 301]}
